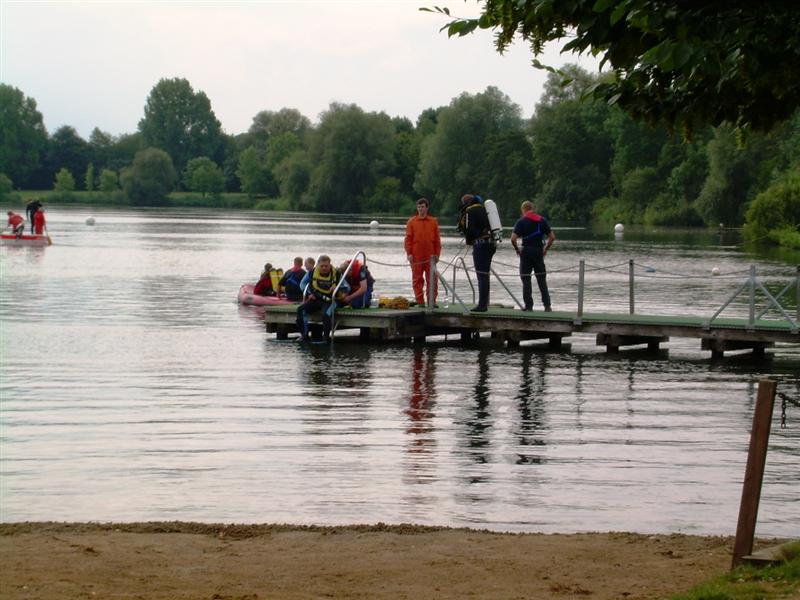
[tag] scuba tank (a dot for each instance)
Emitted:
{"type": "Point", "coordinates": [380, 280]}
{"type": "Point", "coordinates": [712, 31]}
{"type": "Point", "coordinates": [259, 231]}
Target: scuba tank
{"type": "Point", "coordinates": [494, 220]}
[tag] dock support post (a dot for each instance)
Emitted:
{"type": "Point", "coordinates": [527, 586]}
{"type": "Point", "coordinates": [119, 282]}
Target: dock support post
{"type": "Point", "coordinates": [631, 307]}
{"type": "Point", "coordinates": [754, 472]}
{"type": "Point", "coordinates": [581, 275]}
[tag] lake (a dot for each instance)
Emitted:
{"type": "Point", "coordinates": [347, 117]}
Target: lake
{"type": "Point", "coordinates": [133, 387]}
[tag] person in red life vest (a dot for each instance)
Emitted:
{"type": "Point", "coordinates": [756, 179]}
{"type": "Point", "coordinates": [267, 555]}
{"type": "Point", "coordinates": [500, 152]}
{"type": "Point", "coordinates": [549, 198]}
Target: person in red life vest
{"type": "Point", "coordinates": [16, 223]}
{"type": "Point", "coordinates": [422, 242]}
{"type": "Point", "coordinates": [30, 211]}
{"type": "Point", "coordinates": [39, 223]}
{"type": "Point", "coordinates": [360, 281]}
{"type": "Point", "coordinates": [534, 232]}
{"type": "Point", "coordinates": [264, 285]}
{"type": "Point", "coordinates": [290, 282]}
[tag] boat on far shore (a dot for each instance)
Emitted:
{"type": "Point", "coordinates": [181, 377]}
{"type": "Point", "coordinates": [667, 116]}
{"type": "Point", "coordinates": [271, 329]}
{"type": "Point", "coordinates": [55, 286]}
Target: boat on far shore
{"type": "Point", "coordinates": [38, 239]}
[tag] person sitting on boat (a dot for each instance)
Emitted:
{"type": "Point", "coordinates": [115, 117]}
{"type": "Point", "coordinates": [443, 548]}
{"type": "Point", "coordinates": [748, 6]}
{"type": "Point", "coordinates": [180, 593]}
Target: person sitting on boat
{"type": "Point", "coordinates": [360, 281]}
{"type": "Point", "coordinates": [319, 297]}
{"type": "Point", "coordinates": [309, 266]}
{"type": "Point", "coordinates": [39, 223]}
{"type": "Point", "coordinates": [290, 282]}
{"type": "Point", "coordinates": [16, 223]}
{"type": "Point", "coordinates": [264, 285]}
{"type": "Point", "coordinates": [30, 211]}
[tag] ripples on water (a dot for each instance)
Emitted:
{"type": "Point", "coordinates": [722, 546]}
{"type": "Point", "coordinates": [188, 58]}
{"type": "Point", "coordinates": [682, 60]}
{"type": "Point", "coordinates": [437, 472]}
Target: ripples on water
{"type": "Point", "coordinates": [134, 388]}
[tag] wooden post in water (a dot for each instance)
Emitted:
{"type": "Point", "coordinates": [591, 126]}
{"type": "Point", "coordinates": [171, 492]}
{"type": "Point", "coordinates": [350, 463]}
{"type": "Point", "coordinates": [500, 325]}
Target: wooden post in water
{"type": "Point", "coordinates": [754, 472]}
{"type": "Point", "coordinates": [630, 286]}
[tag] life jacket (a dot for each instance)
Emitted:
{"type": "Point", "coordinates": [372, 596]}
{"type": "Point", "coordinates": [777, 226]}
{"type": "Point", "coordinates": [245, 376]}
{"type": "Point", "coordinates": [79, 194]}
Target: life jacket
{"type": "Point", "coordinates": [322, 286]}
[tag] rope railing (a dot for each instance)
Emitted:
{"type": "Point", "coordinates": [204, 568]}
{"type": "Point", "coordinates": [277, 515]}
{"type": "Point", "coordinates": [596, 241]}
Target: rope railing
{"type": "Point", "coordinates": [632, 268]}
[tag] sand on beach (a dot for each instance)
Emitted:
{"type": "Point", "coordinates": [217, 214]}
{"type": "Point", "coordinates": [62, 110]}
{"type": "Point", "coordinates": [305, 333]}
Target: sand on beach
{"type": "Point", "coordinates": [196, 560]}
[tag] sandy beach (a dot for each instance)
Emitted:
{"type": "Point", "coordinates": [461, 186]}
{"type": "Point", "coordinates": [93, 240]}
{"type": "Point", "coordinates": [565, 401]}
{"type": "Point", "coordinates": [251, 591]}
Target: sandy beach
{"type": "Point", "coordinates": [205, 561]}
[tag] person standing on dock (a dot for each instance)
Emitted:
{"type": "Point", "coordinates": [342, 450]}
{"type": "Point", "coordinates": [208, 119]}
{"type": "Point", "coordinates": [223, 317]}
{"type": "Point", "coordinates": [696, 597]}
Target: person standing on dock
{"type": "Point", "coordinates": [534, 232]}
{"type": "Point", "coordinates": [422, 242]}
{"type": "Point", "coordinates": [474, 224]}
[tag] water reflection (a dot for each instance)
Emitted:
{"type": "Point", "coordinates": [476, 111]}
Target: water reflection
{"type": "Point", "coordinates": [420, 442]}
{"type": "Point", "coordinates": [531, 430]}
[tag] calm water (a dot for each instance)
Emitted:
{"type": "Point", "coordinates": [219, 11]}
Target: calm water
{"type": "Point", "coordinates": [135, 388]}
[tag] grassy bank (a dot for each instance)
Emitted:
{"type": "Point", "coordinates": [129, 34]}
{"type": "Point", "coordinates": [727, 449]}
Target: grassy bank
{"type": "Point", "coordinates": [752, 583]}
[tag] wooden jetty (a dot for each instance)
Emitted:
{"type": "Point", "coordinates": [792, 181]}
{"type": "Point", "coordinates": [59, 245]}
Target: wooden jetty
{"type": "Point", "coordinates": [511, 326]}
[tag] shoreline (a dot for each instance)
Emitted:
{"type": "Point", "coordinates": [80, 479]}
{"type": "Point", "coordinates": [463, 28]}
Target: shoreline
{"type": "Point", "coordinates": [178, 559]}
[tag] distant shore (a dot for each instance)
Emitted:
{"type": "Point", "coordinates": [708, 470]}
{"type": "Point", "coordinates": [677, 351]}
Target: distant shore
{"type": "Point", "coordinates": [197, 560]}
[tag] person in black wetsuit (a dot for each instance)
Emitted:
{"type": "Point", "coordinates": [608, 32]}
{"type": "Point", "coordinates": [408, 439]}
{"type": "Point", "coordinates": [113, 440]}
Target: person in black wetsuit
{"type": "Point", "coordinates": [474, 224]}
{"type": "Point", "coordinates": [534, 233]}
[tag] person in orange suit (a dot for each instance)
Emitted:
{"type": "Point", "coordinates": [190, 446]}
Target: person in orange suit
{"type": "Point", "coordinates": [423, 241]}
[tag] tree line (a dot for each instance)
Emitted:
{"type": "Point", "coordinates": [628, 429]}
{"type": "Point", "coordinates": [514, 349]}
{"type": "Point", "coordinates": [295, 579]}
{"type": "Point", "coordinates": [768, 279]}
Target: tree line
{"type": "Point", "coordinates": [579, 160]}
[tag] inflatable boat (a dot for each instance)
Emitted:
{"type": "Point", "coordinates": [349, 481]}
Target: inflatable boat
{"type": "Point", "coordinates": [246, 296]}
{"type": "Point", "coordinates": [9, 239]}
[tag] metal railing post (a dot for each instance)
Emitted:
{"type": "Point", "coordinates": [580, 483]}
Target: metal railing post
{"type": "Point", "coordinates": [431, 282]}
{"type": "Point", "coordinates": [631, 301]}
{"type": "Point", "coordinates": [751, 322]}
{"type": "Point", "coordinates": [797, 293]}
{"type": "Point", "coordinates": [581, 275]}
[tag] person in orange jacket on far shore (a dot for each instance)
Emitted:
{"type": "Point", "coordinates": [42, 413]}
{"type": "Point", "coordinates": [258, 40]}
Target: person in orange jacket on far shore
{"type": "Point", "coordinates": [423, 241]}
{"type": "Point", "coordinates": [39, 222]}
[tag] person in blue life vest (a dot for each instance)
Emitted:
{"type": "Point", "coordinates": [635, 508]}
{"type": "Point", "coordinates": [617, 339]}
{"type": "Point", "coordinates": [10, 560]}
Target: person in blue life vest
{"type": "Point", "coordinates": [474, 225]}
{"type": "Point", "coordinates": [360, 281]}
{"type": "Point", "coordinates": [319, 297]}
{"type": "Point", "coordinates": [291, 280]}
{"type": "Point", "coordinates": [533, 232]}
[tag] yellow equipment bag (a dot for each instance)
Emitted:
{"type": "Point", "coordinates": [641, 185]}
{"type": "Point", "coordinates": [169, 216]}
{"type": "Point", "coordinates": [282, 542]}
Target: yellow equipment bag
{"type": "Point", "coordinates": [275, 275]}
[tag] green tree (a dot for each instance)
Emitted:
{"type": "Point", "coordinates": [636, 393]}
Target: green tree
{"type": "Point", "coordinates": [6, 186]}
{"type": "Point", "coordinates": [775, 213]}
{"type": "Point", "coordinates": [508, 171]}
{"type": "Point", "coordinates": [572, 151]}
{"type": "Point", "coordinates": [452, 158]}
{"type": "Point", "coordinates": [280, 147]}
{"type": "Point", "coordinates": [181, 122]}
{"type": "Point", "coordinates": [64, 182]}
{"type": "Point", "coordinates": [294, 176]}
{"type": "Point", "coordinates": [684, 64]}
{"type": "Point", "coordinates": [268, 124]}
{"type": "Point", "coordinates": [204, 175]}
{"type": "Point", "coordinates": [253, 174]}
{"type": "Point", "coordinates": [68, 150]}
{"type": "Point", "coordinates": [352, 151]}
{"type": "Point", "coordinates": [123, 150]}
{"type": "Point", "coordinates": [88, 180]}
{"type": "Point", "coordinates": [109, 181]}
{"type": "Point", "coordinates": [150, 178]}
{"type": "Point", "coordinates": [23, 137]}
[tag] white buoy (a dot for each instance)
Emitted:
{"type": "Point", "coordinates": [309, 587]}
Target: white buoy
{"type": "Point", "coordinates": [715, 271]}
{"type": "Point", "coordinates": [90, 221]}
{"type": "Point", "coordinates": [374, 224]}
{"type": "Point", "coordinates": [619, 228]}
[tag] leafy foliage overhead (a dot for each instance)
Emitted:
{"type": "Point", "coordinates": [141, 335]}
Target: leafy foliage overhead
{"type": "Point", "coordinates": [682, 63]}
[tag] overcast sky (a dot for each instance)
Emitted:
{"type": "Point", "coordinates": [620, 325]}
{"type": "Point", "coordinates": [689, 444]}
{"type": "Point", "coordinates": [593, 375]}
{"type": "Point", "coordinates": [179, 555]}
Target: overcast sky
{"type": "Point", "coordinates": [92, 64]}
